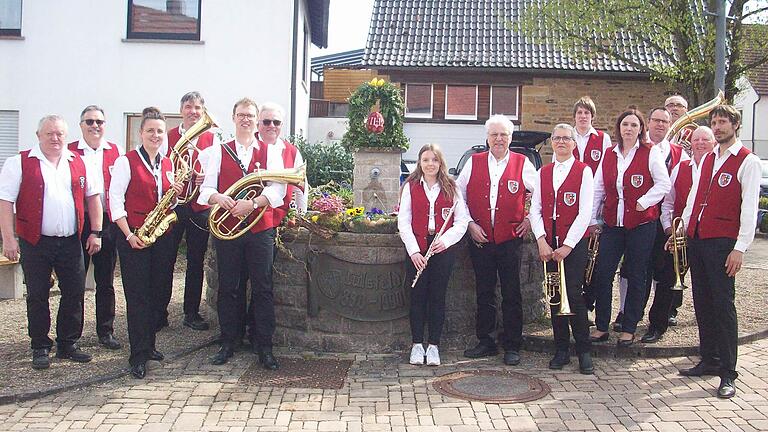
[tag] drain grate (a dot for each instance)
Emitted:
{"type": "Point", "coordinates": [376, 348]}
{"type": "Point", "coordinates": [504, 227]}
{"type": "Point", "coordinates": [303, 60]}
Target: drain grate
{"type": "Point", "coordinates": [495, 386]}
{"type": "Point", "coordinates": [299, 373]}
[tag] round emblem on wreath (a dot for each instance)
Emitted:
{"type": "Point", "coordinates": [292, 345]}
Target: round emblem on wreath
{"type": "Point", "coordinates": [375, 122]}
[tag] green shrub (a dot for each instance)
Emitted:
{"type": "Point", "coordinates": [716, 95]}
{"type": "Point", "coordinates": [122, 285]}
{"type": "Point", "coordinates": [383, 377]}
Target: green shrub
{"type": "Point", "coordinates": [763, 223]}
{"type": "Point", "coordinates": [325, 162]}
{"type": "Point", "coordinates": [763, 204]}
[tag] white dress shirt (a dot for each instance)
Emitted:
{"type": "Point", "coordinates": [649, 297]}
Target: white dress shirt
{"type": "Point", "coordinates": [94, 160]}
{"type": "Point", "coordinates": [405, 215]}
{"type": "Point", "coordinates": [665, 147]}
{"type": "Point", "coordinates": [496, 169]}
{"type": "Point", "coordinates": [274, 192]}
{"type": "Point", "coordinates": [668, 205]}
{"type": "Point", "coordinates": [59, 218]}
{"type": "Point", "coordinates": [121, 177]}
{"type": "Point", "coordinates": [749, 175]}
{"type": "Point", "coordinates": [581, 223]}
{"type": "Point", "coordinates": [659, 174]}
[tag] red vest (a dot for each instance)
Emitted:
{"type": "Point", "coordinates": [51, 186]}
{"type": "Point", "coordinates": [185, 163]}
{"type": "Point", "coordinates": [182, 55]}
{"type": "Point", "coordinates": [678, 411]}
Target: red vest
{"type": "Point", "coordinates": [675, 153]}
{"type": "Point", "coordinates": [420, 213]}
{"type": "Point", "coordinates": [683, 184]}
{"type": "Point", "coordinates": [109, 156]}
{"type": "Point", "coordinates": [29, 202]}
{"type": "Point", "coordinates": [141, 195]}
{"type": "Point", "coordinates": [637, 181]}
{"type": "Point", "coordinates": [510, 203]}
{"type": "Point", "coordinates": [593, 152]}
{"type": "Point", "coordinates": [230, 172]}
{"type": "Point", "coordinates": [289, 161]}
{"type": "Point", "coordinates": [204, 141]}
{"type": "Point", "coordinates": [718, 199]}
{"type": "Point", "coordinates": [567, 199]}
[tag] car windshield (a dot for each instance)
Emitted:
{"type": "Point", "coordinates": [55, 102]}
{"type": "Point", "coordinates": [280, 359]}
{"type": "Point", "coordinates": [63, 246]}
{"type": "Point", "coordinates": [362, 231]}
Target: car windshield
{"type": "Point", "coordinates": [529, 153]}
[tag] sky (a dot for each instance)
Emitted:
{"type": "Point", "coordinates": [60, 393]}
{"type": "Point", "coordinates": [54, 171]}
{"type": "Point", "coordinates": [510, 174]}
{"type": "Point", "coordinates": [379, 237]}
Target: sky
{"type": "Point", "coordinates": [348, 23]}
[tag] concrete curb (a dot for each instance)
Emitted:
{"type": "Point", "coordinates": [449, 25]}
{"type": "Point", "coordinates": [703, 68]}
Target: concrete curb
{"type": "Point", "coordinates": [23, 396]}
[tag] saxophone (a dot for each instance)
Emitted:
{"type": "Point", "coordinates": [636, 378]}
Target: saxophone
{"type": "Point", "coordinates": [160, 219]}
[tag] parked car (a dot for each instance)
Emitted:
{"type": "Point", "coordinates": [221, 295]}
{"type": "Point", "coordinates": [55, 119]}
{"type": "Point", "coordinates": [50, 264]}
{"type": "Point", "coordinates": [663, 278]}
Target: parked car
{"type": "Point", "coordinates": [764, 179]}
{"type": "Point", "coordinates": [406, 168]}
{"type": "Point", "coordinates": [523, 142]}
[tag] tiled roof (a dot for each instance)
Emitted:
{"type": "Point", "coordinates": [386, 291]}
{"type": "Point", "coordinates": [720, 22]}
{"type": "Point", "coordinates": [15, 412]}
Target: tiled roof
{"type": "Point", "coordinates": [470, 33]}
{"type": "Point", "coordinates": [149, 20]}
{"type": "Point", "coordinates": [758, 76]}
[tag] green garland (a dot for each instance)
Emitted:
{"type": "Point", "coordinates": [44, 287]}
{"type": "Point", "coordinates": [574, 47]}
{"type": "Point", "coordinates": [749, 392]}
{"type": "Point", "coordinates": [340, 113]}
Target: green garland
{"type": "Point", "coordinates": [392, 109]}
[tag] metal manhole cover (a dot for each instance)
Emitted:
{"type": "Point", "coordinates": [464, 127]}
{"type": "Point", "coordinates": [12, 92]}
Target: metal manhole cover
{"type": "Point", "coordinates": [496, 386]}
{"type": "Point", "coordinates": [299, 373]}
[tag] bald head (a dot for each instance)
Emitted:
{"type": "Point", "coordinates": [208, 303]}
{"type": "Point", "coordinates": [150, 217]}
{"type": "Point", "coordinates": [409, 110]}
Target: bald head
{"type": "Point", "coordinates": [702, 142]}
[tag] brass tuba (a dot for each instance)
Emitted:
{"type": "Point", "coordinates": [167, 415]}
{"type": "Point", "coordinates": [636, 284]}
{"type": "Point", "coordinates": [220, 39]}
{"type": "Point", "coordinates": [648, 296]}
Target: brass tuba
{"type": "Point", "coordinates": [225, 226]}
{"type": "Point", "coordinates": [180, 153]}
{"type": "Point", "coordinates": [679, 253]}
{"type": "Point", "coordinates": [681, 130]}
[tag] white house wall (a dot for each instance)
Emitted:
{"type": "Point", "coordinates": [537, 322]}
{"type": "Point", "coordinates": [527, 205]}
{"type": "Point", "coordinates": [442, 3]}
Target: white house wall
{"type": "Point", "coordinates": [754, 110]}
{"type": "Point", "coordinates": [74, 53]}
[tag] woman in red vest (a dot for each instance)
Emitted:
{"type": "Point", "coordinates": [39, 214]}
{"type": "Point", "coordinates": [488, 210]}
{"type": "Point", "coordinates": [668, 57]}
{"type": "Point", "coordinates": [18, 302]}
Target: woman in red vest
{"type": "Point", "coordinates": [139, 180]}
{"type": "Point", "coordinates": [428, 196]}
{"type": "Point", "coordinates": [631, 180]}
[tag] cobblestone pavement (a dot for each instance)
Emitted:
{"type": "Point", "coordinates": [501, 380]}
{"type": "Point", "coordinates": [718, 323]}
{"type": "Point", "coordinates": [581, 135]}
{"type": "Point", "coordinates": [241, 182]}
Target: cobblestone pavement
{"type": "Point", "coordinates": [382, 393]}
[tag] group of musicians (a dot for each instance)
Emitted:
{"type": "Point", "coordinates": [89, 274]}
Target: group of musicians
{"type": "Point", "coordinates": [85, 201]}
{"type": "Point", "coordinates": [628, 192]}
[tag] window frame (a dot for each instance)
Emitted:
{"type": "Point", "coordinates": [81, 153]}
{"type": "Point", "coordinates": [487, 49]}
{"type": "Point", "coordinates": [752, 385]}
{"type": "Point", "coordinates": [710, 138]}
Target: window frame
{"type": "Point", "coordinates": [14, 32]}
{"type": "Point", "coordinates": [431, 101]}
{"type": "Point", "coordinates": [133, 35]}
{"type": "Point", "coordinates": [517, 102]}
{"type": "Point", "coordinates": [132, 122]}
{"type": "Point", "coordinates": [462, 116]}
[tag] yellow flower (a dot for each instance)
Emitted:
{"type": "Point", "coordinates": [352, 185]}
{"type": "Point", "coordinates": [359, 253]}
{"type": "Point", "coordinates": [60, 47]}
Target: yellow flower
{"type": "Point", "coordinates": [350, 212]}
{"type": "Point", "coordinates": [379, 82]}
{"type": "Point", "coordinates": [314, 218]}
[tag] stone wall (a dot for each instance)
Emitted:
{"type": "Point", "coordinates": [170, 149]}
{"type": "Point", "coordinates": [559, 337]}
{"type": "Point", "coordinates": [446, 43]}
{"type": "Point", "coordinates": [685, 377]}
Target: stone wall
{"type": "Point", "coordinates": [306, 323]}
{"type": "Point", "coordinates": [376, 178]}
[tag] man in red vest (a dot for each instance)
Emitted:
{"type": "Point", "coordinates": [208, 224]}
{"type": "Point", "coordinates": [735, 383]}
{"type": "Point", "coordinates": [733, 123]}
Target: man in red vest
{"type": "Point", "coordinates": [50, 188]}
{"type": "Point", "coordinates": [495, 184]}
{"type": "Point", "coordinates": [192, 217]}
{"type": "Point", "coordinates": [100, 155]}
{"type": "Point", "coordinates": [720, 217]}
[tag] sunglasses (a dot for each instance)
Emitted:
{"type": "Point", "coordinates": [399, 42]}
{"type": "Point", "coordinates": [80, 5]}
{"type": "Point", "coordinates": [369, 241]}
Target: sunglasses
{"type": "Point", "coordinates": [267, 122]}
{"type": "Point", "coordinates": [90, 122]}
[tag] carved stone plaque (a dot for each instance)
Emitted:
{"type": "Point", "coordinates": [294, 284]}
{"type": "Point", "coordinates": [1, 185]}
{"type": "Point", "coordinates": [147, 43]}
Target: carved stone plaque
{"type": "Point", "coordinates": [362, 292]}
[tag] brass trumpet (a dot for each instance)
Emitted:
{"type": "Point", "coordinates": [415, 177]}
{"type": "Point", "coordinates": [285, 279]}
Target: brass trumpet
{"type": "Point", "coordinates": [592, 250]}
{"type": "Point", "coordinates": [554, 285]}
{"type": "Point", "coordinates": [679, 253]}
{"type": "Point", "coordinates": [225, 226]}
{"type": "Point", "coordinates": [180, 154]}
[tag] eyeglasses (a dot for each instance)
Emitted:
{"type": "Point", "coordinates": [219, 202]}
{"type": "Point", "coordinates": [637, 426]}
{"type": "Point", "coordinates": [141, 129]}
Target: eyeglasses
{"type": "Point", "coordinates": [564, 139]}
{"type": "Point", "coordinates": [90, 122]}
{"type": "Point", "coordinates": [243, 116]}
{"type": "Point", "coordinates": [267, 122]}
{"type": "Point", "coordinates": [496, 135]}
{"type": "Point", "coordinates": [662, 121]}
{"type": "Point", "coordinates": [675, 105]}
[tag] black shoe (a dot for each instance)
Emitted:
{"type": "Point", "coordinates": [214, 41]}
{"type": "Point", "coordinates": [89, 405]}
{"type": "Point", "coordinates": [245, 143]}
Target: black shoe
{"type": "Point", "coordinates": [139, 371]}
{"type": "Point", "coordinates": [268, 360]}
{"type": "Point", "coordinates": [652, 336]}
{"type": "Point", "coordinates": [73, 353]}
{"type": "Point", "coordinates": [221, 357]}
{"type": "Point", "coordinates": [560, 359]}
{"type": "Point", "coordinates": [40, 358]}
{"type": "Point", "coordinates": [110, 342]}
{"type": "Point", "coordinates": [481, 350]}
{"type": "Point", "coordinates": [602, 338]}
{"type": "Point", "coordinates": [617, 326]}
{"type": "Point", "coordinates": [156, 356]}
{"type": "Point", "coordinates": [672, 321]}
{"type": "Point", "coordinates": [625, 343]}
{"type": "Point", "coordinates": [727, 388]}
{"type": "Point", "coordinates": [511, 358]}
{"type": "Point", "coordinates": [585, 364]}
{"type": "Point", "coordinates": [195, 322]}
{"type": "Point", "coordinates": [701, 369]}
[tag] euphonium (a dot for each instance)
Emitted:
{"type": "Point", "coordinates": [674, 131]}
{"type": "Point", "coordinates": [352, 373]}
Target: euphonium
{"type": "Point", "coordinates": [679, 253]}
{"type": "Point", "coordinates": [160, 218]}
{"type": "Point", "coordinates": [180, 153]}
{"type": "Point", "coordinates": [554, 285]}
{"type": "Point", "coordinates": [592, 250]}
{"type": "Point", "coordinates": [225, 226]}
{"type": "Point", "coordinates": [681, 129]}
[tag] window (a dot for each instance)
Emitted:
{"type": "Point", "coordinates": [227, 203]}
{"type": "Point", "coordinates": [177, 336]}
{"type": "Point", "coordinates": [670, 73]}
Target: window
{"type": "Point", "coordinates": [9, 135]}
{"type": "Point", "coordinates": [10, 18]}
{"type": "Point", "coordinates": [164, 19]}
{"type": "Point", "coordinates": [132, 135]}
{"type": "Point", "coordinates": [418, 100]}
{"type": "Point", "coordinates": [461, 102]}
{"type": "Point", "coordinates": [504, 101]}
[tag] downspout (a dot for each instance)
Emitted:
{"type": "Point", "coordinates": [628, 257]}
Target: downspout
{"type": "Point", "coordinates": [294, 60]}
{"type": "Point", "coordinates": [754, 110]}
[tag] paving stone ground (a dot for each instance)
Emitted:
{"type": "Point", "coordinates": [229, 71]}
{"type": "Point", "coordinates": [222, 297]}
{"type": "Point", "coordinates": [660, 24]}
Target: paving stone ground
{"type": "Point", "coordinates": [383, 393]}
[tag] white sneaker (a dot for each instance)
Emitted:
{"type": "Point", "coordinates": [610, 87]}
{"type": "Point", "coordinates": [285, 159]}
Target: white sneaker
{"type": "Point", "coordinates": [417, 354]}
{"type": "Point", "coordinates": [433, 357]}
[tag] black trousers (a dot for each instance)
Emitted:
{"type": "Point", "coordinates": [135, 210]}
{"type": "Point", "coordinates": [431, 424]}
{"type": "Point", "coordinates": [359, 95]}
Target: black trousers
{"type": "Point", "coordinates": [195, 225]}
{"type": "Point", "coordinates": [145, 279]}
{"type": "Point", "coordinates": [64, 255]}
{"type": "Point", "coordinates": [661, 269]}
{"type": "Point", "coordinates": [492, 263]}
{"type": "Point", "coordinates": [104, 263]}
{"type": "Point", "coordinates": [256, 251]}
{"type": "Point", "coordinates": [713, 302]}
{"type": "Point", "coordinates": [428, 296]}
{"type": "Point", "coordinates": [574, 266]}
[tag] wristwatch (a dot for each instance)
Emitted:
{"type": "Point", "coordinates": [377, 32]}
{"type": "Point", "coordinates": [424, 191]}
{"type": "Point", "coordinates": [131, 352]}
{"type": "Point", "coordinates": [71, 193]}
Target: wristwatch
{"type": "Point", "coordinates": [96, 233]}
{"type": "Point", "coordinates": [255, 204]}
